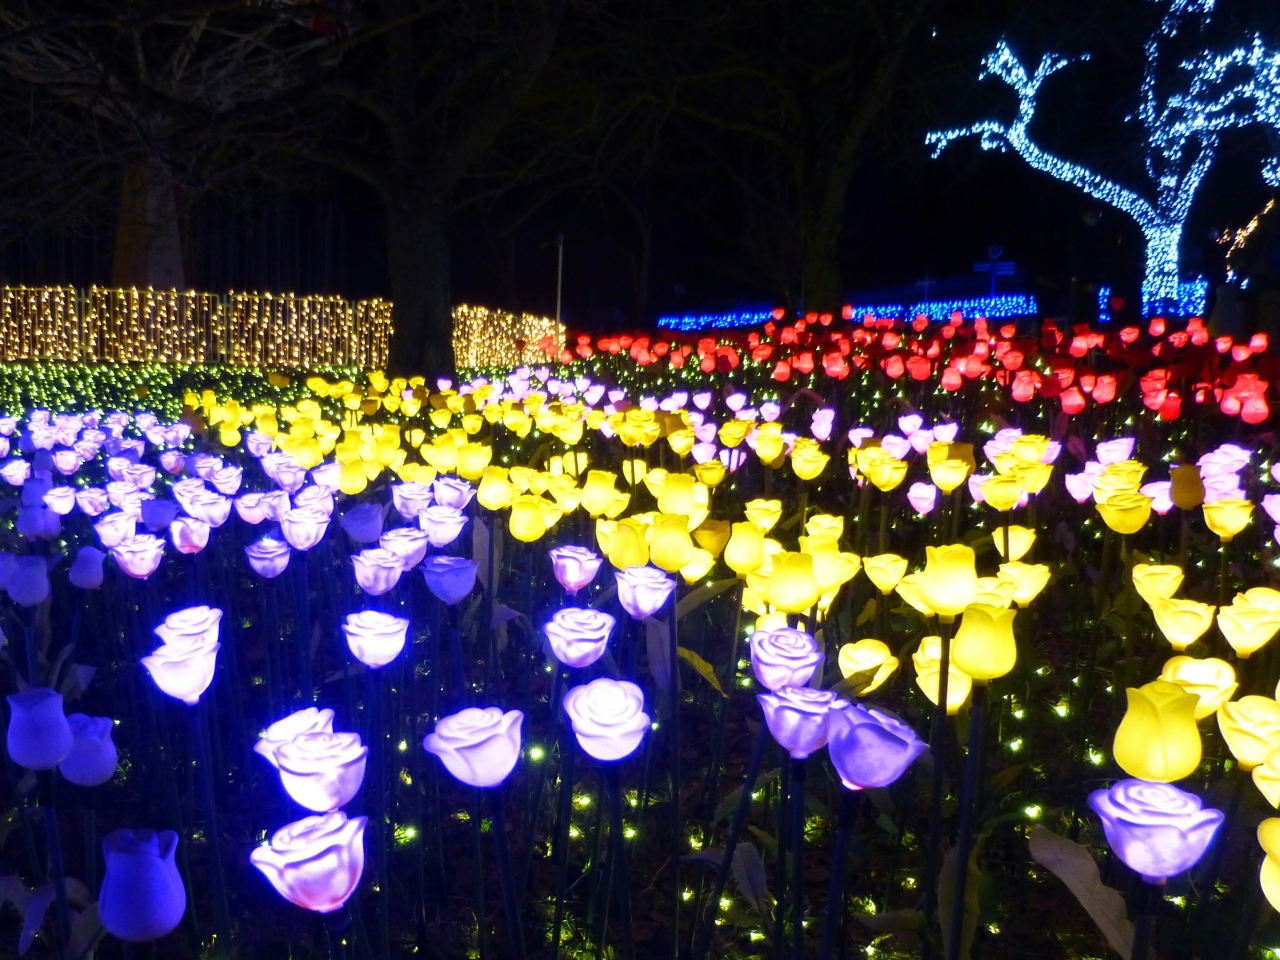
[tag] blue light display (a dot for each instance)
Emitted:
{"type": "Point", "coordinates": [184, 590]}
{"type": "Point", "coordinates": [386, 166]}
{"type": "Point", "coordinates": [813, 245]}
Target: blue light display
{"type": "Point", "coordinates": [1193, 298]}
{"type": "Point", "coordinates": [1000, 307]}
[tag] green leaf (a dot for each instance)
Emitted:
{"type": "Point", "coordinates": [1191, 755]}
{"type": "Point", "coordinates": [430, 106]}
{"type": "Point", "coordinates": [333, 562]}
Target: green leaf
{"type": "Point", "coordinates": [1073, 865]}
{"type": "Point", "coordinates": [696, 598]}
{"type": "Point", "coordinates": [867, 613]}
{"type": "Point", "coordinates": [705, 669]}
{"type": "Point", "coordinates": [1004, 779]}
{"type": "Point", "coordinates": [730, 801]}
{"type": "Point", "coordinates": [946, 901]}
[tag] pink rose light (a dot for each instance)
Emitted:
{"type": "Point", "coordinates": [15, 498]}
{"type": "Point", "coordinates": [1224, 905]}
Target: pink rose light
{"type": "Point", "coordinates": [452, 492]}
{"type": "Point", "coordinates": [66, 462]}
{"type": "Point", "coordinates": [375, 638]}
{"type": "Point", "coordinates": [268, 557]}
{"type": "Point", "coordinates": [477, 746]}
{"type": "Point", "coordinates": [1161, 494]}
{"type": "Point", "coordinates": [643, 591]}
{"type": "Point", "coordinates": [250, 509]}
{"type": "Point", "coordinates": [290, 477]}
{"type": "Point", "coordinates": [377, 570]}
{"type": "Point", "coordinates": [798, 718]}
{"type": "Point", "coordinates": [407, 543]}
{"type": "Point", "coordinates": [784, 657]}
{"type": "Point", "coordinates": [258, 444]}
{"type": "Point", "coordinates": [15, 471]}
{"type": "Point", "coordinates": [303, 527]}
{"type": "Point", "coordinates": [204, 465]}
{"type": "Point", "coordinates": [578, 635]}
{"type": "Point", "coordinates": [322, 771]}
{"type": "Point", "coordinates": [139, 556]}
{"type": "Point", "coordinates": [315, 863]}
{"type": "Point", "coordinates": [173, 462]}
{"type": "Point", "coordinates": [118, 470]}
{"type": "Point", "coordinates": [607, 717]}
{"type": "Point", "coordinates": [184, 490]}
{"type": "Point", "coordinates": [946, 432]}
{"type": "Point", "coordinates": [1080, 486]}
{"type": "Point", "coordinates": [910, 423]}
{"type": "Point", "coordinates": [275, 504]}
{"type": "Point", "coordinates": [923, 497]}
{"type": "Point", "coordinates": [1114, 451]}
{"type": "Point", "coordinates": [897, 446]}
{"type": "Point", "coordinates": [442, 523]}
{"type": "Point", "coordinates": [450, 579]}
{"type": "Point", "coordinates": [183, 665]}
{"type": "Point", "coordinates": [821, 424]}
{"type": "Point", "coordinates": [189, 535]}
{"type": "Point", "coordinates": [410, 499]}
{"type": "Point", "coordinates": [574, 567]}
{"type": "Point", "coordinates": [310, 720]}
{"type": "Point", "coordinates": [141, 475]}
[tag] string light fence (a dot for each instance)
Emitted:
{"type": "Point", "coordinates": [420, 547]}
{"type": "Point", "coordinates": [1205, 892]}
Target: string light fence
{"type": "Point", "coordinates": [497, 338]}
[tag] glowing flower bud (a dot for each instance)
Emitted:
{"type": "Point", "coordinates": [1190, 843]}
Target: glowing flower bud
{"type": "Point", "coordinates": [310, 720]}
{"type": "Point", "coordinates": [1125, 513]}
{"type": "Point", "coordinates": [627, 546]}
{"type": "Point", "coordinates": [764, 513]}
{"type": "Point", "coordinates": [1001, 493]}
{"type": "Point", "coordinates": [598, 493]}
{"type": "Point", "coordinates": [607, 717]}
{"type": "Point", "coordinates": [450, 579]}
{"type": "Point", "coordinates": [869, 749]}
{"type": "Point", "coordinates": [677, 494]}
{"type": "Point", "coordinates": [984, 646]}
{"type": "Point", "coordinates": [671, 547]}
{"type": "Point", "coordinates": [303, 527]}
{"type": "Point", "coordinates": [643, 591]}
{"type": "Point", "coordinates": [375, 638]}
{"type": "Point", "coordinates": [574, 567]}
{"type": "Point", "coordinates": [908, 588]}
{"type": "Point", "coordinates": [784, 657]}
{"type": "Point", "coordinates": [807, 459]}
{"type": "Point", "coordinates": [996, 592]}
{"type": "Point", "coordinates": [1210, 679]}
{"type": "Point", "coordinates": [527, 521]}
{"type": "Point", "coordinates": [713, 536]}
{"type": "Point", "coordinates": [495, 491]}
{"type": "Point", "coordinates": [472, 460]}
{"type": "Point", "coordinates": [578, 635]}
{"type": "Point", "coordinates": [377, 570]}
{"type": "Point", "coordinates": [927, 660]}
{"type": "Point", "coordinates": [1182, 622]}
{"type": "Point", "coordinates": [39, 736]}
{"type": "Point", "coordinates": [322, 771]}
{"type": "Point", "coordinates": [798, 718]}
{"type": "Point", "coordinates": [698, 567]}
{"type": "Point", "coordinates": [93, 757]}
{"type": "Point", "coordinates": [1251, 727]}
{"type": "Point", "coordinates": [792, 587]}
{"type": "Point", "coordinates": [947, 475]}
{"type": "Point", "coordinates": [1227, 517]}
{"type": "Point", "coordinates": [316, 862]}
{"type": "Point", "coordinates": [1021, 537]}
{"type": "Point", "coordinates": [923, 497]}
{"type": "Point", "coordinates": [86, 569]}
{"type": "Point", "coordinates": [864, 656]}
{"type": "Point", "coordinates": [1158, 830]}
{"type": "Point", "coordinates": [183, 665]}
{"type": "Point", "coordinates": [1188, 489]}
{"type": "Point", "coordinates": [1155, 581]}
{"type": "Point", "coordinates": [1247, 628]}
{"type": "Point", "coordinates": [1157, 739]}
{"type": "Point", "coordinates": [744, 553]}
{"type": "Point", "coordinates": [142, 897]}
{"type": "Point", "coordinates": [949, 581]}
{"type": "Point", "coordinates": [479, 747]}
{"type": "Point", "coordinates": [886, 569]}
{"type": "Point", "coordinates": [28, 583]}
{"type": "Point", "coordinates": [1028, 579]}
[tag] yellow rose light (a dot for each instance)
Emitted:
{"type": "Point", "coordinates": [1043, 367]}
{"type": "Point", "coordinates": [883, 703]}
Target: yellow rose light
{"type": "Point", "coordinates": [831, 568]}
{"type": "Point", "coordinates": [1182, 622]}
{"type": "Point", "coordinates": [927, 660]}
{"type": "Point", "coordinates": [1156, 581]}
{"type": "Point", "coordinates": [984, 647]}
{"type": "Point", "coordinates": [712, 473]}
{"type": "Point", "coordinates": [885, 472]}
{"type": "Point", "coordinates": [527, 522]}
{"type": "Point", "coordinates": [865, 655]}
{"type": "Point", "coordinates": [1210, 679]}
{"type": "Point", "coordinates": [671, 548]}
{"type": "Point", "coordinates": [1186, 489]}
{"type": "Point", "coordinates": [807, 459]}
{"type": "Point", "coordinates": [1028, 579]}
{"type": "Point", "coordinates": [995, 592]}
{"type": "Point", "coordinates": [1264, 597]}
{"type": "Point", "coordinates": [792, 585]}
{"type": "Point", "coordinates": [1251, 727]}
{"type": "Point", "coordinates": [1157, 739]}
{"type": "Point", "coordinates": [634, 470]}
{"type": "Point", "coordinates": [598, 492]}
{"type": "Point", "coordinates": [1269, 837]}
{"type": "Point", "coordinates": [627, 546]}
{"type": "Point", "coordinates": [949, 581]}
{"type": "Point", "coordinates": [655, 480]}
{"type": "Point", "coordinates": [949, 474]}
{"type": "Point", "coordinates": [495, 491]}
{"type": "Point", "coordinates": [1001, 493]}
{"type": "Point", "coordinates": [712, 535]}
{"type": "Point", "coordinates": [824, 525]}
{"type": "Point", "coordinates": [1266, 777]}
{"type": "Point", "coordinates": [733, 432]}
{"type": "Point", "coordinates": [1125, 513]}
{"type": "Point", "coordinates": [908, 588]}
{"type": "Point", "coordinates": [1227, 517]}
{"type": "Point", "coordinates": [744, 553]}
{"type": "Point", "coordinates": [1022, 539]}
{"type": "Point", "coordinates": [1247, 628]}
{"type": "Point", "coordinates": [698, 567]}
{"type": "Point", "coordinates": [681, 441]}
{"type": "Point", "coordinates": [764, 513]}
{"type": "Point", "coordinates": [1033, 477]}
{"type": "Point", "coordinates": [885, 570]}
{"type": "Point", "coordinates": [472, 459]}
{"type": "Point", "coordinates": [677, 495]}
{"type": "Point", "coordinates": [769, 445]}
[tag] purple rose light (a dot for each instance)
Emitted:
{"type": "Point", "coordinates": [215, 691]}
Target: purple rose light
{"type": "Point", "coordinates": [923, 497]}
{"type": "Point", "coordinates": [328, 476]}
{"type": "Point", "coordinates": [39, 736]}
{"type": "Point", "coordinates": [578, 635]}
{"type": "Point", "coordinates": [183, 666]}
{"type": "Point", "coordinates": [479, 747]}
{"type": "Point", "coordinates": [784, 657]}
{"type": "Point", "coordinates": [574, 567]}
{"type": "Point", "coordinates": [303, 527]}
{"type": "Point", "coordinates": [643, 591]}
{"type": "Point", "coordinates": [86, 569]}
{"type": "Point", "coordinates": [28, 583]}
{"type": "Point", "coordinates": [1158, 830]}
{"type": "Point", "coordinates": [363, 522]}
{"type": "Point", "coordinates": [157, 514]}
{"type": "Point", "coordinates": [139, 556]}
{"type": "Point", "coordinates": [452, 492]}
{"type": "Point", "coordinates": [608, 717]}
{"type": "Point", "coordinates": [250, 508]}
{"type": "Point", "coordinates": [869, 748]}
{"type": "Point", "coordinates": [450, 579]}
{"type": "Point", "coordinates": [322, 771]}
{"type": "Point", "coordinates": [212, 508]}
{"type": "Point", "coordinates": [310, 720]}
{"type": "Point", "coordinates": [442, 524]}
{"type": "Point", "coordinates": [407, 543]}
{"type": "Point", "coordinates": [115, 528]}
{"type": "Point", "coordinates": [268, 557]}
{"type": "Point", "coordinates": [410, 499]}
{"type": "Point", "coordinates": [92, 501]}
{"type": "Point", "coordinates": [798, 718]}
{"type": "Point", "coordinates": [189, 535]}
{"type": "Point", "coordinates": [173, 462]}
{"type": "Point", "coordinates": [93, 757]}
{"type": "Point", "coordinates": [377, 570]}
{"type": "Point", "coordinates": [142, 897]}
{"type": "Point", "coordinates": [316, 862]}
{"type": "Point", "coordinates": [61, 500]}
{"type": "Point", "coordinates": [226, 480]}
{"type": "Point", "coordinates": [375, 638]}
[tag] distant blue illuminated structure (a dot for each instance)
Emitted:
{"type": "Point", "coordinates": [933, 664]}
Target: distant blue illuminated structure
{"type": "Point", "coordinates": [1218, 92]}
{"type": "Point", "coordinates": [1004, 306]}
{"type": "Point", "coordinates": [1193, 299]}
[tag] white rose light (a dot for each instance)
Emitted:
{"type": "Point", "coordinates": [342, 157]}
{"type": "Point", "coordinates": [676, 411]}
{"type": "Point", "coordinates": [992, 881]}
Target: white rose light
{"type": "Point", "coordinates": [183, 666]}
{"type": "Point", "coordinates": [480, 747]}
{"type": "Point", "coordinates": [608, 717]}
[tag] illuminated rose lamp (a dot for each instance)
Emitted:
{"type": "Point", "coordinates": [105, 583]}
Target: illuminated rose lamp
{"type": "Point", "coordinates": [142, 897]}
{"type": "Point", "coordinates": [316, 862]}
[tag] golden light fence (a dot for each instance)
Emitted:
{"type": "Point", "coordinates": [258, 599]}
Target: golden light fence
{"type": "Point", "coordinates": [170, 326]}
{"type": "Point", "coordinates": [498, 338]}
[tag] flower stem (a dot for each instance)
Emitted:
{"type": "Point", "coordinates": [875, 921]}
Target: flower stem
{"type": "Point", "coordinates": [849, 802]}
{"type": "Point", "coordinates": [937, 747]}
{"type": "Point", "coordinates": [221, 915]}
{"type": "Point", "coordinates": [618, 857]}
{"type": "Point", "coordinates": [677, 825]}
{"type": "Point", "coordinates": [482, 926]}
{"type": "Point", "coordinates": [798, 770]}
{"type": "Point", "coordinates": [968, 797]}
{"type": "Point", "coordinates": [56, 872]}
{"type": "Point", "coordinates": [531, 814]}
{"type": "Point", "coordinates": [515, 936]}
{"type": "Point", "coordinates": [780, 867]}
{"type": "Point", "coordinates": [567, 750]}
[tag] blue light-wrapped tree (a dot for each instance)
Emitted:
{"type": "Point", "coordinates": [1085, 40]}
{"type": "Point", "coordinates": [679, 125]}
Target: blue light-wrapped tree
{"type": "Point", "coordinates": [1216, 92]}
